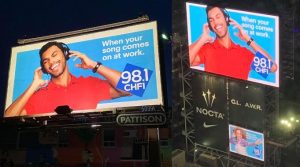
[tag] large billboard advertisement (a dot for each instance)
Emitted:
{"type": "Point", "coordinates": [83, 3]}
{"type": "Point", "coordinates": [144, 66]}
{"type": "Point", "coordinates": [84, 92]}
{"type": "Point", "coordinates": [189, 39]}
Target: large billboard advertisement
{"type": "Point", "coordinates": [96, 71]}
{"type": "Point", "coordinates": [246, 142]}
{"type": "Point", "coordinates": [211, 115]}
{"type": "Point", "coordinates": [234, 43]}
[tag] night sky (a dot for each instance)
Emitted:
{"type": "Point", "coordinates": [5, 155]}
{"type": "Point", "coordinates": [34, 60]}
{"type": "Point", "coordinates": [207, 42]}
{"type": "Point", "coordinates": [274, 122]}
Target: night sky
{"type": "Point", "coordinates": [29, 19]}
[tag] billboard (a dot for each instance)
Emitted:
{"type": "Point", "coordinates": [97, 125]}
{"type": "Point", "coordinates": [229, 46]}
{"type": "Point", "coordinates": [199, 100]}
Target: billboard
{"type": "Point", "coordinates": [234, 43]}
{"type": "Point", "coordinates": [96, 71]}
{"type": "Point", "coordinates": [211, 115]}
{"type": "Point", "coordinates": [246, 142]}
{"type": "Point", "coordinates": [247, 105]}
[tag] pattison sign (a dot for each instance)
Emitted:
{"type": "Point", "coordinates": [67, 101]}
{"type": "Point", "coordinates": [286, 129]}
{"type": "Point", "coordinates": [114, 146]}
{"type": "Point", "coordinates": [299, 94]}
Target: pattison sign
{"type": "Point", "coordinates": [141, 119]}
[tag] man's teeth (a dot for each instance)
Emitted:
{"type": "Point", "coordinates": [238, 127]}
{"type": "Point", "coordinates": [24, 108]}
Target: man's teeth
{"type": "Point", "coordinates": [218, 27]}
{"type": "Point", "coordinates": [54, 66]}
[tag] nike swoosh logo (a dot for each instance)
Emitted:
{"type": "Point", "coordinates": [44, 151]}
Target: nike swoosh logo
{"type": "Point", "coordinates": [208, 126]}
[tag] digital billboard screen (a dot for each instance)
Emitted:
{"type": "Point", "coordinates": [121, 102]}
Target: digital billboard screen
{"type": "Point", "coordinates": [234, 43]}
{"type": "Point", "coordinates": [96, 71]}
{"type": "Point", "coordinates": [246, 142]}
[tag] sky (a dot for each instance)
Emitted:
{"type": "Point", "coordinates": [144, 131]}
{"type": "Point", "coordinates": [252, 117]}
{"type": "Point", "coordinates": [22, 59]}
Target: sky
{"type": "Point", "coordinates": [29, 19]}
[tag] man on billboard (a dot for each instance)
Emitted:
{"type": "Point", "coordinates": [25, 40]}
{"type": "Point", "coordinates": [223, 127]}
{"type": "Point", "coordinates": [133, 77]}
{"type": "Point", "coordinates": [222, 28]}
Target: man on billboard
{"type": "Point", "coordinates": [222, 55]}
{"type": "Point", "coordinates": [63, 88]}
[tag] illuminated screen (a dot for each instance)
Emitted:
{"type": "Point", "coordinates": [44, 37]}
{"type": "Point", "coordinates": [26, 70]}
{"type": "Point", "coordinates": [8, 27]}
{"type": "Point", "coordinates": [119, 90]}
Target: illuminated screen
{"type": "Point", "coordinates": [234, 43]}
{"type": "Point", "coordinates": [246, 142]}
{"type": "Point", "coordinates": [127, 74]}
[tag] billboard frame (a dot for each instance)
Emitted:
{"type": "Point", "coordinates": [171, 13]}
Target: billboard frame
{"type": "Point", "coordinates": [253, 77]}
{"type": "Point", "coordinates": [114, 29]}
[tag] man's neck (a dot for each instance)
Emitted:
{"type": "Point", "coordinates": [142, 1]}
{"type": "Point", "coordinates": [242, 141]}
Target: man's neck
{"type": "Point", "coordinates": [63, 80]}
{"type": "Point", "coordinates": [225, 41]}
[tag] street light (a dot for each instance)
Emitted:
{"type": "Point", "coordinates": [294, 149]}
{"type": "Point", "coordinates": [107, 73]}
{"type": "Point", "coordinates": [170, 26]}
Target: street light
{"type": "Point", "coordinates": [289, 123]}
{"type": "Point", "coordinates": [164, 36]}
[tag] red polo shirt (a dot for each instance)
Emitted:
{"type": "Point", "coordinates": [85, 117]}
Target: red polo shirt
{"type": "Point", "coordinates": [234, 61]}
{"type": "Point", "coordinates": [81, 94]}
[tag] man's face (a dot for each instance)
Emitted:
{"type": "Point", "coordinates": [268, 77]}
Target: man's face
{"type": "Point", "coordinates": [217, 22]}
{"type": "Point", "coordinates": [54, 61]}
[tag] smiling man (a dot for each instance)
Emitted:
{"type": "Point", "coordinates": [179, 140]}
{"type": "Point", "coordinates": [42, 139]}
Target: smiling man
{"type": "Point", "coordinates": [80, 93]}
{"type": "Point", "coordinates": [221, 55]}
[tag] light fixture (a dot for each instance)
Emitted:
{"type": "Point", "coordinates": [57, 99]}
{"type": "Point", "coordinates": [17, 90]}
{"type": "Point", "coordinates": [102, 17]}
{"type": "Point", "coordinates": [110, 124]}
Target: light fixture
{"type": "Point", "coordinates": [164, 36]}
{"type": "Point", "coordinates": [95, 125]}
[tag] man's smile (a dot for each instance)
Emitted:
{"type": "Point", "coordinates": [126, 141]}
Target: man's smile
{"type": "Point", "coordinates": [218, 27]}
{"type": "Point", "coordinates": [54, 67]}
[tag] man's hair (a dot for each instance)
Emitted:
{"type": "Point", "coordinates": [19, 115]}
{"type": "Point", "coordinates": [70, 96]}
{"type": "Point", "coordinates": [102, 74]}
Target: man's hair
{"type": "Point", "coordinates": [209, 7]}
{"type": "Point", "coordinates": [50, 44]}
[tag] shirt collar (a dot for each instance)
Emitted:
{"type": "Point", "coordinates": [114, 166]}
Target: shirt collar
{"type": "Point", "coordinates": [74, 80]}
{"type": "Point", "coordinates": [217, 44]}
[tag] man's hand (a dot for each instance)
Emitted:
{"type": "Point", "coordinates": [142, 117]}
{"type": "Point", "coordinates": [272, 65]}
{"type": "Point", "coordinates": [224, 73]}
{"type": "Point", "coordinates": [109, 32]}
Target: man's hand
{"type": "Point", "coordinates": [274, 67]}
{"type": "Point", "coordinates": [86, 63]}
{"type": "Point", "coordinates": [245, 37]}
{"type": "Point", "coordinates": [37, 78]}
{"type": "Point", "coordinates": [205, 37]}
{"type": "Point", "coordinates": [196, 46]}
{"type": "Point", "coordinates": [241, 33]}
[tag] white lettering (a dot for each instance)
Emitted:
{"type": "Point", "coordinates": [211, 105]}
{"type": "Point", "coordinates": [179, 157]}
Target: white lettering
{"type": "Point", "coordinates": [141, 119]}
{"type": "Point", "coordinates": [235, 102]}
{"type": "Point", "coordinates": [112, 42]}
{"type": "Point", "coordinates": [135, 86]}
{"type": "Point", "coordinates": [253, 106]}
{"type": "Point", "coordinates": [210, 113]}
{"type": "Point", "coordinates": [247, 19]}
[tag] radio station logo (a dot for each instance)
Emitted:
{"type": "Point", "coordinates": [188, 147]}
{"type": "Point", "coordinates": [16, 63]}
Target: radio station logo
{"type": "Point", "coordinates": [207, 110]}
{"type": "Point", "coordinates": [134, 79]}
{"type": "Point", "coordinates": [262, 65]}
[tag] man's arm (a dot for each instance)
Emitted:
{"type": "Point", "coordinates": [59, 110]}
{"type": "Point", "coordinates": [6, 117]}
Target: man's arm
{"type": "Point", "coordinates": [245, 37]}
{"type": "Point", "coordinates": [17, 107]}
{"type": "Point", "coordinates": [195, 47]}
{"type": "Point", "coordinates": [112, 76]}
